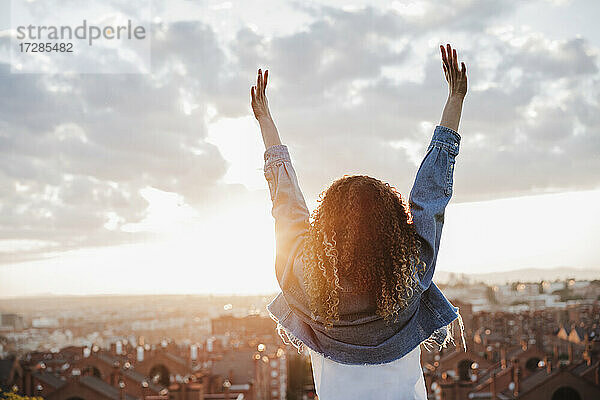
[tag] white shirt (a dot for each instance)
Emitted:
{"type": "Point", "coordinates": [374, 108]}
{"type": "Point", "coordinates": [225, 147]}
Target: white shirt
{"type": "Point", "coordinates": [397, 380]}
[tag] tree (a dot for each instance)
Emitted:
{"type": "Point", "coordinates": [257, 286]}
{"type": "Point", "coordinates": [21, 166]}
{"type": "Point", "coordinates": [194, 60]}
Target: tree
{"type": "Point", "coordinates": [14, 396]}
{"type": "Point", "coordinates": [491, 295]}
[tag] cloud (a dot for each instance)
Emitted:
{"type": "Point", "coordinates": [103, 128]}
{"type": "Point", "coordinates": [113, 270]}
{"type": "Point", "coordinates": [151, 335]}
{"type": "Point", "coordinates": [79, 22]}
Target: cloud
{"type": "Point", "coordinates": [535, 131]}
{"type": "Point", "coordinates": [77, 149]}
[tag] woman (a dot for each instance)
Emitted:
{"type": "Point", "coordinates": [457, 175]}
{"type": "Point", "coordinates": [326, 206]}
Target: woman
{"type": "Point", "coordinates": [356, 282]}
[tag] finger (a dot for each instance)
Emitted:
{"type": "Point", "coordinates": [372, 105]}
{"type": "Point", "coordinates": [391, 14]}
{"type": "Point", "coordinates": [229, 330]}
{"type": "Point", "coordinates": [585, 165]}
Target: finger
{"type": "Point", "coordinates": [464, 68]}
{"type": "Point", "coordinates": [453, 67]}
{"type": "Point", "coordinates": [252, 94]}
{"type": "Point", "coordinates": [266, 78]}
{"type": "Point", "coordinates": [450, 62]}
{"type": "Point", "coordinates": [455, 59]}
{"type": "Point", "coordinates": [445, 62]}
{"type": "Point", "coordinates": [255, 99]}
{"type": "Point", "coordinates": [260, 81]}
{"type": "Point", "coordinates": [444, 59]}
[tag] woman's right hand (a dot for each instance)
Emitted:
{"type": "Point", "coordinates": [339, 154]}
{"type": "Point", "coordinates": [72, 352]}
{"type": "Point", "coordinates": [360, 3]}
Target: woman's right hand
{"type": "Point", "coordinates": [456, 78]}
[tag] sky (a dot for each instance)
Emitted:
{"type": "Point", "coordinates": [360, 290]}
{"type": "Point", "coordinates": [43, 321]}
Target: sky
{"type": "Point", "coordinates": [152, 182]}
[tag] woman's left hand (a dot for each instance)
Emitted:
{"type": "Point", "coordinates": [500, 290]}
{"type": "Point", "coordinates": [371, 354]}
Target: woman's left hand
{"type": "Point", "coordinates": [260, 105]}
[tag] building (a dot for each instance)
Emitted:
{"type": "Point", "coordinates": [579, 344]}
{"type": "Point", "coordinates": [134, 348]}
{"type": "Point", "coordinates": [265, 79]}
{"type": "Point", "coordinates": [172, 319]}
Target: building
{"type": "Point", "coordinates": [11, 322]}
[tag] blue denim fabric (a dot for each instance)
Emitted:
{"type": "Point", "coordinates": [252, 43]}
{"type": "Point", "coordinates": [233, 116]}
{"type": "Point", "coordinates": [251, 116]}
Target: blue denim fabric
{"type": "Point", "coordinates": [361, 336]}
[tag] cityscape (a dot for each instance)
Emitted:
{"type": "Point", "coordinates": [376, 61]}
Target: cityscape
{"type": "Point", "coordinates": [524, 340]}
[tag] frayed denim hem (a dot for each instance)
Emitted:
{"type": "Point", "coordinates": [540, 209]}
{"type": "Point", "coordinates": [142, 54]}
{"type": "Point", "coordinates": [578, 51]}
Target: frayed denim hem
{"type": "Point", "coordinates": [286, 336]}
{"type": "Point", "coordinates": [433, 340]}
{"type": "Point", "coordinates": [447, 332]}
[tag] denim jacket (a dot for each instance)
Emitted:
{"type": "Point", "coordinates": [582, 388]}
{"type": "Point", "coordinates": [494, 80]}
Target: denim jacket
{"type": "Point", "coordinates": [361, 336]}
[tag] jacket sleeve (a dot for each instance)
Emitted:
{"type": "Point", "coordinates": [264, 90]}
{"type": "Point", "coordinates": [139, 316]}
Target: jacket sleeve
{"type": "Point", "coordinates": [431, 194]}
{"type": "Point", "coordinates": [290, 213]}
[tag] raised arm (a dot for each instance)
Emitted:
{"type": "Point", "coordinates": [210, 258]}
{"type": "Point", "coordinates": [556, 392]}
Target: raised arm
{"type": "Point", "coordinates": [432, 189]}
{"type": "Point", "coordinates": [289, 207]}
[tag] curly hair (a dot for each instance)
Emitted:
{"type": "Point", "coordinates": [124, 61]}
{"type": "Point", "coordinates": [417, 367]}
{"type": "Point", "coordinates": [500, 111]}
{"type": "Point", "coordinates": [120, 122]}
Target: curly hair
{"type": "Point", "coordinates": [362, 230]}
